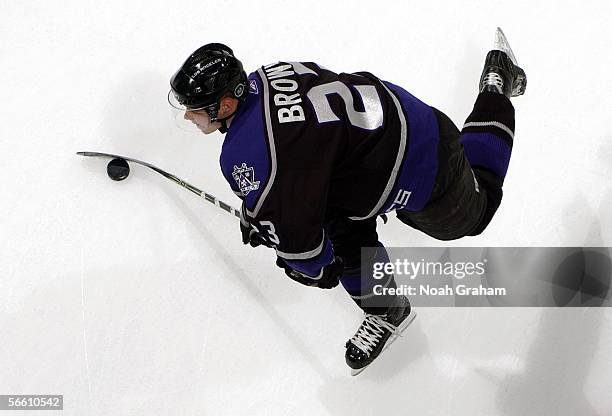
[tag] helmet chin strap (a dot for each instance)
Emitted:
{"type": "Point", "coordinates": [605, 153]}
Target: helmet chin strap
{"type": "Point", "coordinates": [224, 128]}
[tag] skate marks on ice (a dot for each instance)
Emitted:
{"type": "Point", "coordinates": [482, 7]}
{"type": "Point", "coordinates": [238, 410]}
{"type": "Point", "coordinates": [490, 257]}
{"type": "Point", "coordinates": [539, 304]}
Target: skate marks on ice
{"type": "Point", "coordinates": [240, 275]}
{"type": "Point", "coordinates": [84, 324]}
{"type": "Point", "coordinates": [556, 368]}
{"type": "Point", "coordinates": [604, 158]}
{"type": "Point", "coordinates": [559, 361]}
{"type": "Point", "coordinates": [43, 341]}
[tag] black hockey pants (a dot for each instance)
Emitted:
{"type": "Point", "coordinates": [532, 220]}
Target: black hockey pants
{"type": "Point", "coordinates": [473, 164]}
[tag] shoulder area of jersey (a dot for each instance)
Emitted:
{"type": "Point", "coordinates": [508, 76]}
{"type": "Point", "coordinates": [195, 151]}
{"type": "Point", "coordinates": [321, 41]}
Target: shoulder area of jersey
{"type": "Point", "coordinates": [253, 82]}
{"type": "Point", "coordinates": [287, 68]}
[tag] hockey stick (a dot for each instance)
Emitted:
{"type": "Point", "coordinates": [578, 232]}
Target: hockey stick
{"type": "Point", "coordinates": [206, 196]}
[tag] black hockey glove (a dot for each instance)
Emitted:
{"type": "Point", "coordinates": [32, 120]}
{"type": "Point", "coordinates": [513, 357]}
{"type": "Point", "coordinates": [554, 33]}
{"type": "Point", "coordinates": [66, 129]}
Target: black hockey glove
{"type": "Point", "coordinates": [251, 236]}
{"type": "Point", "coordinates": [330, 276]}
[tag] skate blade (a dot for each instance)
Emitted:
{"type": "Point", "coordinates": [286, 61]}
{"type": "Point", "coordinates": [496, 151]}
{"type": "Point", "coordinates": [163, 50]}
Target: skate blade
{"type": "Point", "coordinates": [520, 83]}
{"type": "Point", "coordinates": [391, 340]}
{"type": "Point", "coordinates": [501, 44]}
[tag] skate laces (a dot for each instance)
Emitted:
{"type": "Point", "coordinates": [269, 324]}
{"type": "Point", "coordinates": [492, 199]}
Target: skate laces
{"type": "Point", "coordinates": [369, 333]}
{"type": "Point", "coordinates": [495, 80]}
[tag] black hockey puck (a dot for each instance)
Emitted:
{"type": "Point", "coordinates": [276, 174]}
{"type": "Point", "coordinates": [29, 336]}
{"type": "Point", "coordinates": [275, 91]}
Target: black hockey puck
{"type": "Point", "coordinates": [118, 169]}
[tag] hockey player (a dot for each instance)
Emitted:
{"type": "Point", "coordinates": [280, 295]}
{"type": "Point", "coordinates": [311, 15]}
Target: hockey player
{"type": "Point", "coordinates": [316, 156]}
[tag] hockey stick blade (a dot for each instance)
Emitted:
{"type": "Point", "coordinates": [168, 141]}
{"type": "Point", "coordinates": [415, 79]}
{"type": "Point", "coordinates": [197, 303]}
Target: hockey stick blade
{"type": "Point", "coordinates": [206, 196]}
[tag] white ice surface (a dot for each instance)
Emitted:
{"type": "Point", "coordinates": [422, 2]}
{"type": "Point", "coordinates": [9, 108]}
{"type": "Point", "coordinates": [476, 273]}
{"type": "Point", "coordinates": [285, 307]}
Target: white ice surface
{"type": "Point", "coordinates": [137, 298]}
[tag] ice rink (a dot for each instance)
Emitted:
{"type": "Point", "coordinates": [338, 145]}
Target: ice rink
{"type": "Point", "coordinates": [138, 298]}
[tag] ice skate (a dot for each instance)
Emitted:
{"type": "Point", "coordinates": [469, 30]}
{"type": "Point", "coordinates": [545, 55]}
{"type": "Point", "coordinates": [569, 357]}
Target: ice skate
{"type": "Point", "coordinates": [376, 333]}
{"type": "Point", "coordinates": [501, 73]}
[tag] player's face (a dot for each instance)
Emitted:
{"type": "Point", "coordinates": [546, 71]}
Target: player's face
{"type": "Point", "coordinates": [202, 121]}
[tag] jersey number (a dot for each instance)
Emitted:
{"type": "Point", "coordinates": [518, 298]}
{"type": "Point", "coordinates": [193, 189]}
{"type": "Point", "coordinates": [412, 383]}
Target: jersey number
{"type": "Point", "coordinates": [271, 232]}
{"type": "Point", "coordinates": [370, 119]}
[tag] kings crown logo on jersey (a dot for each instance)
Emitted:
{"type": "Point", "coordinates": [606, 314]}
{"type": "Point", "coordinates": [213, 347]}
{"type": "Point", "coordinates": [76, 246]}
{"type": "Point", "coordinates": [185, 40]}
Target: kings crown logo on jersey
{"type": "Point", "coordinates": [245, 178]}
{"type": "Point", "coordinates": [253, 87]}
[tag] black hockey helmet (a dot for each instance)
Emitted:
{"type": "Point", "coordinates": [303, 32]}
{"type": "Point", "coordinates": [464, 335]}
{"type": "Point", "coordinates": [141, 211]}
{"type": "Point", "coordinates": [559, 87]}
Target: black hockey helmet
{"type": "Point", "coordinates": [207, 75]}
